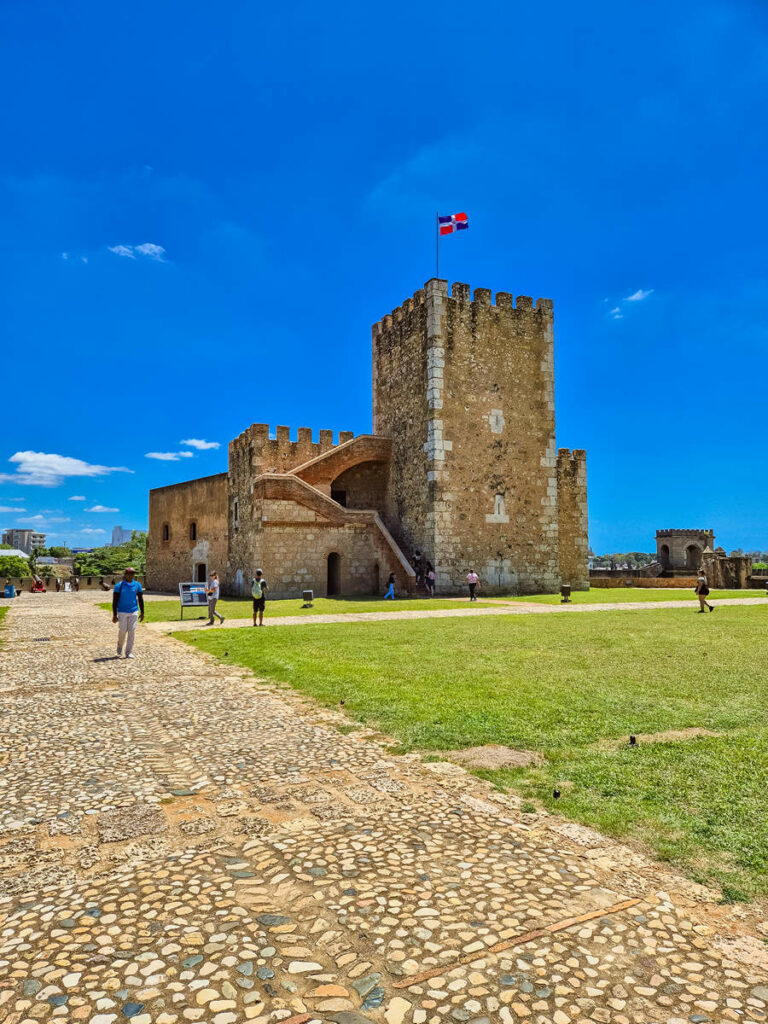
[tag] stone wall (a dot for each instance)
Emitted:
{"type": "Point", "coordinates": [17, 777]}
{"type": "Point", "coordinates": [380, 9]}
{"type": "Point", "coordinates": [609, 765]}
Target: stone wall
{"type": "Point", "coordinates": [182, 557]}
{"type": "Point", "coordinates": [465, 389]}
{"type": "Point", "coordinates": [728, 572]}
{"type": "Point", "coordinates": [24, 583]}
{"type": "Point", "coordinates": [364, 486]}
{"type": "Point", "coordinates": [572, 518]}
{"type": "Point", "coordinates": [294, 527]}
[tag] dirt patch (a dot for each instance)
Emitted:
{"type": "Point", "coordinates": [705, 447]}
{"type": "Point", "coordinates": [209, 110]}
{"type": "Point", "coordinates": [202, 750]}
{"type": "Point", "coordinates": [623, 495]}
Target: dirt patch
{"type": "Point", "coordinates": [673, 735]}
{"type": "Point", "coordinates": [494, 756]}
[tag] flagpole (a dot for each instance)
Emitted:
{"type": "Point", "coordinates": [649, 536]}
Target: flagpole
{"type": "Point", "coordinates": [437, 243]}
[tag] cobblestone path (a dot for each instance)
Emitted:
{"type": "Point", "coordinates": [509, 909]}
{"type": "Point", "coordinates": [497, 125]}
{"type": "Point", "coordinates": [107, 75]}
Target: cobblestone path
{"type": "Point", "coordinates": [501, 608]}
{"type": "Point", "coordinates": [180, 843]}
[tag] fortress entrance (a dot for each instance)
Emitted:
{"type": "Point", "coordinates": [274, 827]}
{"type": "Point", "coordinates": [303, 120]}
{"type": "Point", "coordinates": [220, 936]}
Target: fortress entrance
{"type": "Point", "coordinates": [201, 572]}
{"type": "Point", "coordinates": [334, 575]}
{"type": "Point", "coordinates": [692, 557]}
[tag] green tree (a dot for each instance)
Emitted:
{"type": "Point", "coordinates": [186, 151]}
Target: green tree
{"type": "Point", "coordinates": [13, 565]}
{"type": "Point", "coordinates": [108, 561]}
{"type": "Point", "coordinates": [6, 547]}
{"type": "Point", "coordinates": [59, 552]}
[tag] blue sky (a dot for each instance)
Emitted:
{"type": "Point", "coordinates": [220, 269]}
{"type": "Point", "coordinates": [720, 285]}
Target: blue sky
{"type": "Point", "coordinates": [204, 207]}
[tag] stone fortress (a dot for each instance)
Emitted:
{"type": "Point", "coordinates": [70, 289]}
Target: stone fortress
{"type": "Point", "coordinates": [461, 469]}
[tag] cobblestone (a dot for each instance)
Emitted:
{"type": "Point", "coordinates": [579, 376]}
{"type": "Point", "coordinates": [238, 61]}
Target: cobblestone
{"type": "Point", "coordinates": [180, 843]}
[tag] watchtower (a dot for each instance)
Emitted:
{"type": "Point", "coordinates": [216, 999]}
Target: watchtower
{"type": "Point", "coordinates": [464, 387]}
{"type": "Point", "coordinates": [683, 549]}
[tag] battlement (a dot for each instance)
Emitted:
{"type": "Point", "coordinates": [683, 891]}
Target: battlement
{"type": "Point", "coordinates": [278, 453]}
{"type": "Point", "coordinates": [685, 533]}
{"type": "Point", "coordinates": [460, 293]}
{"type": "Point", "coordinates": [566, 455]}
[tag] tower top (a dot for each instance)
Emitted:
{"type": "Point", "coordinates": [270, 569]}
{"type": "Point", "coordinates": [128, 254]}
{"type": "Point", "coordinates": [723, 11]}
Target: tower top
{"type": "Point", "coordinates": [459, 293]}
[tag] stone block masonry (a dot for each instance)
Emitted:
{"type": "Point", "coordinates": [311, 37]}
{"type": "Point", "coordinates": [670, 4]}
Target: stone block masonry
{"type": "Point", "coordinates": [465, 389]}
{"type": "Point", "coordinates": [461, 469]}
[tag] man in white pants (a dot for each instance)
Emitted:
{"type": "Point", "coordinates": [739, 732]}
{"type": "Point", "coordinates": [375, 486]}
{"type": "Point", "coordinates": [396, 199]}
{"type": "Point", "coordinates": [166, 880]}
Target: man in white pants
{"type": "Point", "coordinates": [127, 610]}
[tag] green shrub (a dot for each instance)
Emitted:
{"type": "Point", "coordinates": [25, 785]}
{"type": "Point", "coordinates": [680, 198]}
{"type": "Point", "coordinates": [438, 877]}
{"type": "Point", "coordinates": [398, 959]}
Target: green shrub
{"type": "Point", "coordinates": [12, 565]}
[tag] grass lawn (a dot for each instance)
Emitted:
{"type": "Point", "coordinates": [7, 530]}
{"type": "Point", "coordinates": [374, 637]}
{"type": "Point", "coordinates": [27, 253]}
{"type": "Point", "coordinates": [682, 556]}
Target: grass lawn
{"type": "Point", "coordinates": [168, 611]}
{"type": "Point", "coordinates": [574, 688]}
{"type": "Point", "coordinates": [610, 595]}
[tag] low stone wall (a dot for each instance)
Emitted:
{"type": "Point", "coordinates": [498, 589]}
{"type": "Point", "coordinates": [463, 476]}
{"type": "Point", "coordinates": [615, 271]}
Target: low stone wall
{"type": "Point", "coordinates": [668, 583]}
{"type": "Point", "coordinates": [24, 583]}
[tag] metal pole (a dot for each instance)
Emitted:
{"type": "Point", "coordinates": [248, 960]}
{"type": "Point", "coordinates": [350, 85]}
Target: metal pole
{"type": "Point", "coordinates": [437, 243]}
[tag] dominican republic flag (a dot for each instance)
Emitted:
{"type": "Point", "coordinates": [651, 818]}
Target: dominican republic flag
{"type": "Point", "coordinates": [454, 222]}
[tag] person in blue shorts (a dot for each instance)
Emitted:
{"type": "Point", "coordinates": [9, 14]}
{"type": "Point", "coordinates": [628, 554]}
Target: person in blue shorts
{"type": "Point", "coordinates": [127, 610]}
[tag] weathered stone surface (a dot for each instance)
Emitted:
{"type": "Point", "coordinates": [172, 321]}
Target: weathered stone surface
{"type": "Point", "coordinates": [408, 907]}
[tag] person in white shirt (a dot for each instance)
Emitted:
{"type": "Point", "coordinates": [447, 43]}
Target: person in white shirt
{"type": "Point", "coordinates": [212, 593]}
{"type": "Point", "coordinates": [472, 580]}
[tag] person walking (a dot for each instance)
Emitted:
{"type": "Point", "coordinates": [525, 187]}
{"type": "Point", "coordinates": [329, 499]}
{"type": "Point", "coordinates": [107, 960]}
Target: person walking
{"type": "Point", "coordinates": [430, 579]}
{"type": "Point", "coordinates": [212, 593]}
{"type": "Point", "coordinates": [702, 591]}
{"type": "Point", "coordinates": [259, 590]}
{"type": "Point", "coordinates": [472, 580]}
{"type": "Point", "coordinates": [391, 592]}
{"type": "Point", "coordinates": [127, 610]}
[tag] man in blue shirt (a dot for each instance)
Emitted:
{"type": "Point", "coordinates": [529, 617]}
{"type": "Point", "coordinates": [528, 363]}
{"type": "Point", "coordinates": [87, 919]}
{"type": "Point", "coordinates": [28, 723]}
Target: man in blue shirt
{"type": "Point", "coordinates": [127, 601]}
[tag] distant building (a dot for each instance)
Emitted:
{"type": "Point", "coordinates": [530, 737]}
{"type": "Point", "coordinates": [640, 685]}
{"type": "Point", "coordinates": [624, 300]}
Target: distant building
{"type": "Point", "coordinates": [81, 551]}
{"type": "Point", "coordinates": [120, 536]}
{"type": "Point", "coordinates": [25, 540]}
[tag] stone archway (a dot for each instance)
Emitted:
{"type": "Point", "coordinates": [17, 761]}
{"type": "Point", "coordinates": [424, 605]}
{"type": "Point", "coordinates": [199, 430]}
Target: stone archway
{"type": "Point", "coordinates": [664, 555]}
{"type": "Point", "coordinates": [692, 556]}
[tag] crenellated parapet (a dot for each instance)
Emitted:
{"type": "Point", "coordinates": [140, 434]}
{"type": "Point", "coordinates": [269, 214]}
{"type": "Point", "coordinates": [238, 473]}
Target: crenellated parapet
{"type": "Point", "coordinates": [460, 293]}
{"type": "Point", "coordinates": [260, 450]}
{"type": "Point", "coordinates": [685, 533]}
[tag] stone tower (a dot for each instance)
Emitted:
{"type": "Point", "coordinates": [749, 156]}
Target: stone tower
{"type": "Point", "coordinates": [465, 390]}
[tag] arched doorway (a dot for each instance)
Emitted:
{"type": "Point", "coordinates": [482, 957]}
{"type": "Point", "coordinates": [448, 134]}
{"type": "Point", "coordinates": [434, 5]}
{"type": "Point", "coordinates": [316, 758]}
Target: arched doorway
{"type": "Point", "coordinates": [664, 555]}
{"type": "Point", "coordinates": [334, 574]}
{"type": "Point", "coordinates": [692, 557]}
{"type": "Point", "coordinates": [375, 583]}
{"type": "Point", "coordinates": [201, 572]}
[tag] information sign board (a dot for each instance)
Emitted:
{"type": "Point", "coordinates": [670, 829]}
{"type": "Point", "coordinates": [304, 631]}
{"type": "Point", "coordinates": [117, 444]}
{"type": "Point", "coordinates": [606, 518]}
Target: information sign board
{"type": "Point", "coordinates": [192, 595]}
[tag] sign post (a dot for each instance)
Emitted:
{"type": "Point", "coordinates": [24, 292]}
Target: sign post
{"type": "Point", "coordinates": [192, 595]}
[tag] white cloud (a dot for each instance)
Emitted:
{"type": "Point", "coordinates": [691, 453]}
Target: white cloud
{"type": "Point", "coordinates": [88, 529]}
{"type": "Point", "coordinates": [48, 470]}
{"type": "Point", "coordinates": [65, 255]}
{"type": "Point", "coordinates": [122, 250]}
{"type": "Point", "coordinates": [201, 446]}
{"type": "Point", "coordinates": [11, 508]}
{"type": "Point", "coordinates": [102, 508]}
{"type": "Point", "coordinates": [39, 519]}
{"type": "Point", "coordinates": [150, 250]}
{"type": "Point", "coordinates": [169, 456]}
{"type": "Point", "coordinates": [77, 497]}
{"type": "Point", "coordinates": [639, 295]}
